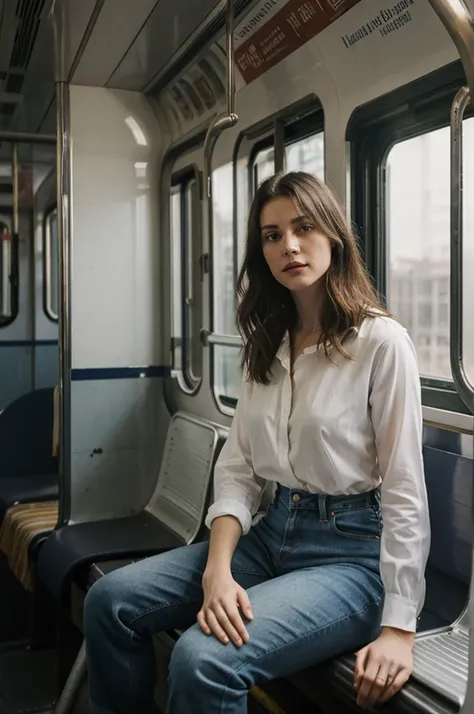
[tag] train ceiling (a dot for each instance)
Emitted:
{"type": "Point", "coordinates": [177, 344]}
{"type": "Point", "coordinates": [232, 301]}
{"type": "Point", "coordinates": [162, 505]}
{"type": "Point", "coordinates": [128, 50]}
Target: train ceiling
{"type": "Point", "coordinates": [124, 44]}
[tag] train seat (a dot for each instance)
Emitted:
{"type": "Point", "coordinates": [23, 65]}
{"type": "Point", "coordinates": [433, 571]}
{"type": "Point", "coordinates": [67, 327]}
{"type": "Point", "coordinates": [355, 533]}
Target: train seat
{"type": "Point", "coordinates": [25, 525]}
{"type": "Point", "coordinates": [173, 516]}
{"type": "Point", "coordinates": [29, 479]}
{"type": "Point", "coordinates": [442, 646]}
{"type": "Point", "coordinates": [28, 462]}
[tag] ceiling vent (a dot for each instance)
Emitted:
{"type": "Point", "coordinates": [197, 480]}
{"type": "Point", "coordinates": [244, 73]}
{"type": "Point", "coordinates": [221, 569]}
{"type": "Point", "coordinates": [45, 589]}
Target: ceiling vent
{"type": "Point", "coordinates": [28, 13]}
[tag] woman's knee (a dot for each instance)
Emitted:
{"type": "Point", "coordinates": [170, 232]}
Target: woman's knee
{"type": "Point", "coordinates": [103, 599]}
{"type": "Point", "coordinates": [198, 659]}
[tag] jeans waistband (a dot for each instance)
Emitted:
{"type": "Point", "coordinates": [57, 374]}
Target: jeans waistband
{"type": "Point", "coordinates": [294, 498]}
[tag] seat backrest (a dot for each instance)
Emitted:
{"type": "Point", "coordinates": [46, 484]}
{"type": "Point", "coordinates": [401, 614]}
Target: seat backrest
{"type": "Point", "coordinates": [449, 481]}
{"type": "Point", "coordinates": [26, 435]}
{"type": "Point", "coordinates": [183, 488]}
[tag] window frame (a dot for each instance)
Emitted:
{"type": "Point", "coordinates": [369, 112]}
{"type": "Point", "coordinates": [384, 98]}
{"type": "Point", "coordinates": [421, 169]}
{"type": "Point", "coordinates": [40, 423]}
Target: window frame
{"type": "Point", "coordinates": [295, 122]}
{"type": "Point", "coordinates": [182, 366]}
{"type": "Point", "coordinates": [53, 209]}
{"type": "Point", "coordinates": [373, 130]}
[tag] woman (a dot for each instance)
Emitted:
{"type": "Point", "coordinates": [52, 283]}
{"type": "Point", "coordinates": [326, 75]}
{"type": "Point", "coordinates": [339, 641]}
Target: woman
{"type": "Point", "coordinates": [330, 410]}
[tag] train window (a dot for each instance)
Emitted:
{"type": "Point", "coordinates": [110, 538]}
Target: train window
{"type": "Point", "coordinates": [186, 243]}
{"type": "Point", "coordinates": [8, 275]}
{"type": "Point", "coordinates": [418, 245]}
{"type": "Point", "coordinates": [304, 153]}
{"type": "Point", "coordinates": [5, 258]}
{"type": "Point", "coordinates": [224, 279]}
{"type": "Point", "coordinates": [51, 265]}
{"type": "Point", "coordinates": [226, 360]}
{"type": "Point", "coordinates": [400, 145]}
{"type": "Point", "coordinates": [263, 165]}
{"type": "Point", "coordinates": [307, 154]}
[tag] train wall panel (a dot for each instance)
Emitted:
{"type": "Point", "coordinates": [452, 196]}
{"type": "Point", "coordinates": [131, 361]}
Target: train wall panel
{"type": "Point", "coordinates": [118, 431]}
{"type": "Point", "coordinates": [115, 300]}
{"type": "Point", "coordinates": [46, 365]}
{"type": "Point", "coordinates": [16, 373]}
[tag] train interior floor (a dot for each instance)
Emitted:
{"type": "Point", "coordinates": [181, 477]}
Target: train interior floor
{"type": "Point", "coordinates": [28, 678]}
{"type": "Point", "coordinates": [27, 681]}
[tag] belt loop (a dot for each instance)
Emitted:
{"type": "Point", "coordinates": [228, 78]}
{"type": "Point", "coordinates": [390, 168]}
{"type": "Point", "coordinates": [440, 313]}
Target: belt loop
{"type": "Point", "coordinates": [276, 493]}
{"type": "Point", "coordinates": [323, 516]}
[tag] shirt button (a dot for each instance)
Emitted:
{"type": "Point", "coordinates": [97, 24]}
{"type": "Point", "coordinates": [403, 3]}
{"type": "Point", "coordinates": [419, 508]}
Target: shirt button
{"type": "Point", "coordinates": [296, 497]}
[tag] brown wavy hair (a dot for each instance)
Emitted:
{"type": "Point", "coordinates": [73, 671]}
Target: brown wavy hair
{"type": "Point", "coordinates": [267, 309]}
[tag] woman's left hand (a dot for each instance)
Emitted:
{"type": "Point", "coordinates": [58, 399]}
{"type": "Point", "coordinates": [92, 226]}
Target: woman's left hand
{"type": "Point", "coordinates": [383, 667]}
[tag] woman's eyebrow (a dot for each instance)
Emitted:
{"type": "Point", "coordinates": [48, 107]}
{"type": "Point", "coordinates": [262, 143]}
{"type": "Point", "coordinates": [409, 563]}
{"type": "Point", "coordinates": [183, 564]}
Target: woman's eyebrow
{"type": "Point", "coordinates": [272, 226]}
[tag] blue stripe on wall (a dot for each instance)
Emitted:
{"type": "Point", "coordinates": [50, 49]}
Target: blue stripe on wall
{"type": "Point", "coordinates": [106, 373]}
{"type": "Point", "coordinates": [28, 343]}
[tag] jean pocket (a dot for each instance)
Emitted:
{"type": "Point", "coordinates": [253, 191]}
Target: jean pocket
{"type": "Point", "coordinates": [360, 523]}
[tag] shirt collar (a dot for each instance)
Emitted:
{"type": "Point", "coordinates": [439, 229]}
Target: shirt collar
{"type": "Point", "coordinates": [284, 351]}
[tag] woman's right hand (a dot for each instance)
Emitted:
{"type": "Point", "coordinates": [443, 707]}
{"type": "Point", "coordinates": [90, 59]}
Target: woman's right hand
{"type": "Point", "coordinates": [224, 604]}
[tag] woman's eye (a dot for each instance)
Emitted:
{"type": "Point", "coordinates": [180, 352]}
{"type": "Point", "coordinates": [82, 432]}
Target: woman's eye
{"type": "Point", "coordinates": [306, 228]}
{"type": "Point", "coordinates": [271, 236]}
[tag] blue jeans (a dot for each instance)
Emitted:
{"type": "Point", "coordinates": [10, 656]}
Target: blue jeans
{"type": "Point", "coordinates": [311, 568]}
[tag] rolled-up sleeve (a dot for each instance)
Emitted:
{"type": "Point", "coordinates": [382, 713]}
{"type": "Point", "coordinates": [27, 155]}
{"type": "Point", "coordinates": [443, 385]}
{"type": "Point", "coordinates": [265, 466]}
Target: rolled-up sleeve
{"type": "Point", "coordinates": [395, 402]}
{"type": "Point", "coordinates": [237, 489]}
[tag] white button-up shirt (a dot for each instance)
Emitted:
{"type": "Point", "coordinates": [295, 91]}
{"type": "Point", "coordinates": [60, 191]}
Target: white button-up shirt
{"type": "Point", "coordinates": [341, 428]}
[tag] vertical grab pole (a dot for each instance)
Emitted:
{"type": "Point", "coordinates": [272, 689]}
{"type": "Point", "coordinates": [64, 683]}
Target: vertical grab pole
{"type": "Point", "coordinates": [458, 22]}
{"type": "Point", "coordinates": [15, 182]}
{"type": "Point", "coordinates": [64, 233]}
{"type": "Point", "coordinates": [463, 386]}
{"type": "Point", "coordinates": [219, 124]}
{"type": "Point", "coordinates": [15, 235]}
{"type": "Point", "coordinates": [229, 118]}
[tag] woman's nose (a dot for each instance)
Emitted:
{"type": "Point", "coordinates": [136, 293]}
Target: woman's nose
{"type": "Point", "coordinates": [291, 244]}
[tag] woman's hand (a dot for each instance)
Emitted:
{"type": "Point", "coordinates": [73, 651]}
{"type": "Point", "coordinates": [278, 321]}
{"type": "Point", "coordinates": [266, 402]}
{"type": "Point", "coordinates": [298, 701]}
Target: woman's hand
{"type": "Point", "coordinates": [383, 667]}
{"type": "Point", "coordinates": [220, 615]}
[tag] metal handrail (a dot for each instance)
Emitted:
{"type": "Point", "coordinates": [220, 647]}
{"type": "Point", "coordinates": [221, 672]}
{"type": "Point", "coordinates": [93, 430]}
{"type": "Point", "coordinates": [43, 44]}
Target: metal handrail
{"type": "Point", "coordinates": [229, 118]}
{"type": "Point", "coordinates": [464, 388]}
{"type": "Point", "coordinates": [215, 338]}
{"type": "Point", "coordinates": [457, 20]}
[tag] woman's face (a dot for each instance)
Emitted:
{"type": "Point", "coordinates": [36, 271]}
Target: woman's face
{"type": "Point", "coordinates": [297, 253]}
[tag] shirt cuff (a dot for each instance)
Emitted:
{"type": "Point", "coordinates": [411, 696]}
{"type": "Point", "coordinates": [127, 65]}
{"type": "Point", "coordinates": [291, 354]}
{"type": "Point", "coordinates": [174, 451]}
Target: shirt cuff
{"type": "Point", "coordinates": [230, 507]}
{"type": "Point", "coordinates": [399, 612]}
